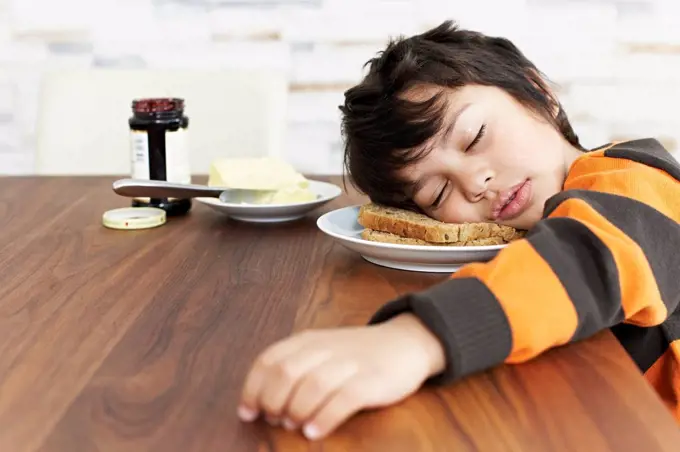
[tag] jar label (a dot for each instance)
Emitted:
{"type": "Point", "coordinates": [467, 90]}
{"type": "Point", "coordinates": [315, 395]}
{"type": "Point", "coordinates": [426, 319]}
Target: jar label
{"type": "Point", "coordinates": [177, 165]}
{"type": "Point", "coordinates": [139, 146]}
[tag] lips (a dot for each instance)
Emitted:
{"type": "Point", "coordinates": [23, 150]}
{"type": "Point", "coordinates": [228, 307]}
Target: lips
{"type": "Point", "coordinates": [512, 201]}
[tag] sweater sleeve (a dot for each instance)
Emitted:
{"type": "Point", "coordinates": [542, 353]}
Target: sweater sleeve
{"type": "Point", "coordinates": [606, 252]}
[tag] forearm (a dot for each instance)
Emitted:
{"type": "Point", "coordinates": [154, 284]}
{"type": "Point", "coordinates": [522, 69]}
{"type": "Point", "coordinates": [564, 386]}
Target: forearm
{"type": "Point", "coordinates": [423, 338]}
{"type": "Point", "coordinates": [567, 280]}
{"type": "Point", "coordinates": [466, 319]}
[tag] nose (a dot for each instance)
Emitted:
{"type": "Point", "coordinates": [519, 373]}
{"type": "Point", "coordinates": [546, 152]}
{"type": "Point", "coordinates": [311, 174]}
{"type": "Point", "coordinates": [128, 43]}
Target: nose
{"type": "Point", "coordinates": [476, 185]}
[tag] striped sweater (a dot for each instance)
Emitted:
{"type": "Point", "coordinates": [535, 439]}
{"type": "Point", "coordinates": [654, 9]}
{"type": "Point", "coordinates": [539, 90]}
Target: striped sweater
{"type": "Point", "coordinates": [605, 255]}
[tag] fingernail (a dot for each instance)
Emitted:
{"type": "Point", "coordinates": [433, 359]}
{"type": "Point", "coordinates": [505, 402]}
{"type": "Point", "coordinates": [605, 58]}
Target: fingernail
{"type": "Point", "coordinates": [288, 424]}
{"type": "Point", "coordinates": [311, 432]}
{"type": "Point", "coordinates": [246, 414]}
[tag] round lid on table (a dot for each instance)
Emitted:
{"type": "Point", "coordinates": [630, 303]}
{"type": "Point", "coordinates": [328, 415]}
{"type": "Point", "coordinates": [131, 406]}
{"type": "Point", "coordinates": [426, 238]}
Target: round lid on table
{"type": "Point", "coordinates": [134, 218]}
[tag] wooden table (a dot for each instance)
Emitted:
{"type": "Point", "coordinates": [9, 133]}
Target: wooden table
{"type": "Point", "coordinates": [139, 341]}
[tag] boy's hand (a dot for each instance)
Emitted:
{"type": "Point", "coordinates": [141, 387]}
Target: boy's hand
{"type": "Point", "coordinates": [318, 379]}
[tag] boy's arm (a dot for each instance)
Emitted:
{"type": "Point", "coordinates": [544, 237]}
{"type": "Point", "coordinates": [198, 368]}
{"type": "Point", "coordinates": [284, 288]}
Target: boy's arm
{"type": "Point", "coordinates": [606, 252]}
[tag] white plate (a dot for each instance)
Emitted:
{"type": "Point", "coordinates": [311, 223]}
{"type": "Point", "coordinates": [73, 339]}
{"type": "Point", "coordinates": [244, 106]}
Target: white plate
{"type": "Point", "coordinates": [342, 225]}
{"type": "Point", "coordinates": [275, 213]}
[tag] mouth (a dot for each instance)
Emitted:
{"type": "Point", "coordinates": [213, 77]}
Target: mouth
{"type": "Point", "coordinates": [512, 202]}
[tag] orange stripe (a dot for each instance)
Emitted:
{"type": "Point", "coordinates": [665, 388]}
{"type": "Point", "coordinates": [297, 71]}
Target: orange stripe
{"type": "Point", "coordinates": [537, 306]}
{"type": "Point", "coordinates": [586, 157]}
{"type": "Point", "coordinates": [643, 183]}
{"type": "Point", "coordinates": [640, 297]}
{"type": "Point", "coordinates": [662, 377]}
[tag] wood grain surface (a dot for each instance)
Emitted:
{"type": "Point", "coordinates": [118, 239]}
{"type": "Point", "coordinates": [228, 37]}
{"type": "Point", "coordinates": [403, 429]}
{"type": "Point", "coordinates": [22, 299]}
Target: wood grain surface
{"type": "Point", "coordinates": [140, 340]}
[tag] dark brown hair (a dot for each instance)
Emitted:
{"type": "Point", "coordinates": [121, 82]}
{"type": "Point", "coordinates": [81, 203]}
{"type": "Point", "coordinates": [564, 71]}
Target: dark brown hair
{"type": "Point", "coordinates": [384, 132]}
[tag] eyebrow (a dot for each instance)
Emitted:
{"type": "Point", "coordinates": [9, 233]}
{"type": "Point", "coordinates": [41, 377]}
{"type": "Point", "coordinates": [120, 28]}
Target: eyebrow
{"type": "Point", "coordinates": [415, 186]}
{"type": "Point", "coordinates": [449, 128]}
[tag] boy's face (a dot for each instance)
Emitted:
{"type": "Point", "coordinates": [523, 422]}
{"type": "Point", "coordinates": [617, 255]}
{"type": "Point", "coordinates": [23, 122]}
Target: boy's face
{"type": "Point", "coordinates": [504, 174]}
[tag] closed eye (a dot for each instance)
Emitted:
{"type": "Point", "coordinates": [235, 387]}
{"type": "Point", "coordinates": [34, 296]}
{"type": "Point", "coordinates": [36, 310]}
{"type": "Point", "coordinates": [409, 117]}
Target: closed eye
{"type": "Point", "coordinates": [480, 134]}
{"type": "Point", "coordinates": [438, 201]}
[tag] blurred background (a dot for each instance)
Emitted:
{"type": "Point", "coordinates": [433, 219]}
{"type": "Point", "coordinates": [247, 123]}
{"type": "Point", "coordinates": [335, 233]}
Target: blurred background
{"type": "Point", "coordinates": [265, 77]}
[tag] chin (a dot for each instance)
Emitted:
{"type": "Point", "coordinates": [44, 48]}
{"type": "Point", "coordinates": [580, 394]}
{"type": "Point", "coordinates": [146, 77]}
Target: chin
{"type": "Point", "coordinates": [528, 221]}
{"type": "Point", "coordinates": [525, 221]}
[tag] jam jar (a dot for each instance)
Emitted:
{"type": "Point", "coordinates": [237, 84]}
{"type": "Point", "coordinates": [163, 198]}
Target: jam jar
{"type": "Point", "coordinates": [158, 146]}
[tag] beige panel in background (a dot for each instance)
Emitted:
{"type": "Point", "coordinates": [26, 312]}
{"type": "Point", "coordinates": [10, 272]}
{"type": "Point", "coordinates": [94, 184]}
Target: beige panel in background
{"type": "Point", "coordinates": [83, 119]}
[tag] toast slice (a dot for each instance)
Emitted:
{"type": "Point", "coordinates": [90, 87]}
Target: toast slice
{"type": "Point", "coordinates": [386, 237]}
{"type": "Point", "coordinates": [414, 225]}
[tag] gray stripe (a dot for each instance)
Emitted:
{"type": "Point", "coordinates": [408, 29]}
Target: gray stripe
{"type": "Point", "coordinates": [657, 235]}
{"type": "Point", "coordinates": [645, 345]}
{"type": "Point", "coordinates": [468, 320]}
{"type": "Point", "coordinates": [648, 152]}
{"type": "Point", "coordinates": [468, 317]}
{"type": "Point", "coordinates": [585, 267]}
{"type": "Point", "coordinates": [672, 326]}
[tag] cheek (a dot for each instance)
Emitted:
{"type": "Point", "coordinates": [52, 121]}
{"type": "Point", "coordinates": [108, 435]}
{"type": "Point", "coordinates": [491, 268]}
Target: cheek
{"type": "Point", "coordinates": [527, 145]}
{"type": "Point", "coordinates": [516, 154]}
{"type": "Point", "coordinates": [458, 210]}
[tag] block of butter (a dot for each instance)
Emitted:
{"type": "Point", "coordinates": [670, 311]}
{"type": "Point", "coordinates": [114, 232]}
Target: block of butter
{"type": "Point", "coordinates": [262, 173]}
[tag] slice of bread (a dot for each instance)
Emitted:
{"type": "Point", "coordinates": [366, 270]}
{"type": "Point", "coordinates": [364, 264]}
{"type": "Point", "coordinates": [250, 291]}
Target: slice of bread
{"type": "Point", "coordinates": [407, 224]}
{"type": "Point", "coordinates": [386, 237]}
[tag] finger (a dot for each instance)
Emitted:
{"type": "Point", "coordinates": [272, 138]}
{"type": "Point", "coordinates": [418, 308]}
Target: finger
{"type": "Point", "coordinates": [280, 378]}
{"type": "Point", "coordinates": [314, 390]}
{"type": "Point", "coordinates": [348, 400]}
{"type": "Point", "coordinates": [248, 408]}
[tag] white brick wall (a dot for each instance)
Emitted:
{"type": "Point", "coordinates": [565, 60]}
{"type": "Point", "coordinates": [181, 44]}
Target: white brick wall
{"type": "Point", "coordinates": [617, 61]}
